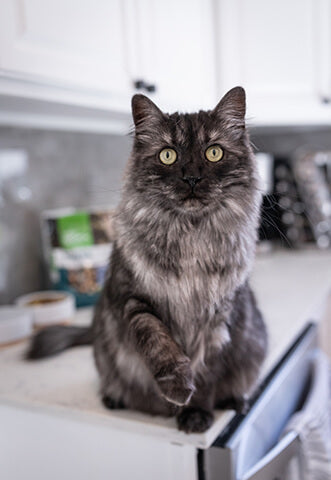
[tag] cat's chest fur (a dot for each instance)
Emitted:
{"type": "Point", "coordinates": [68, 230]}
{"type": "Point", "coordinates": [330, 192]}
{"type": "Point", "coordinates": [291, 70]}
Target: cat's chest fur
{"type": "Point", "coordinates": [192, 303]}
{"type": "Point", "coordinates": [189, 292]}
{"type": "Point", "coordinates": [193, 274]}
{"type": "Point", "coordinates": [190, 282]}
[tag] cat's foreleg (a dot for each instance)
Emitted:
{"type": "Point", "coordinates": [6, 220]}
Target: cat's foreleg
{"type": "Point", "coordinates": [162, 355]}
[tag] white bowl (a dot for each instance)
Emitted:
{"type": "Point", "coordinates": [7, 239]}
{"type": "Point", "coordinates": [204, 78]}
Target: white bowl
{"type": "Point", "coordinates": [60, 307]}
{"type": "Point", "coordinates": [15, 324]}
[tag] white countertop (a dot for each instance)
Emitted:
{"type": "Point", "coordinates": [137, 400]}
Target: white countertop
{"type": "Point", "coordinates": [289, 285]}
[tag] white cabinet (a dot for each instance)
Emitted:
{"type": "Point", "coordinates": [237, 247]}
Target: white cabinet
{"type": "Point", "coordinates": [38, 445]}
{"type": "Point", "coordinates": [81, 59]}
{"type": "Point", "coordinates": [280, 51]}
{"type": "Point", "coordinates": [73, 46]}
{"type": "Point", "coordinates": [89, 54]}
{"type": "Point", "coordinates": [176, 49]}
{"type": "Point", "coordinates": [57, 41]}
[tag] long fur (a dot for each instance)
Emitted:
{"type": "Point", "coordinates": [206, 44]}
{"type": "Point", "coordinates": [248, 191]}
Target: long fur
{"type": "Point", "coordinates": [177, 330]}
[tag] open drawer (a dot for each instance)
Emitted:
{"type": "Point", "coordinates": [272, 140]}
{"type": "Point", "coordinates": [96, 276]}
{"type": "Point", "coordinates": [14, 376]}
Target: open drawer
{"type": "Point", "coordinates": [306, 437]}
{"type": "Point", "coordinates": [250, 448]}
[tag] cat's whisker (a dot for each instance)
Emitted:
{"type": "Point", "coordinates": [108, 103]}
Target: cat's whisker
{"type": "Point", "coordinates": [268, 219]}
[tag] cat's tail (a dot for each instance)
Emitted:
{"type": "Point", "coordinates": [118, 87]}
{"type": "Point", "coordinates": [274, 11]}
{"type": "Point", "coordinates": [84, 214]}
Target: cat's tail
{"type": "Point", "coordinates": [55, 339]}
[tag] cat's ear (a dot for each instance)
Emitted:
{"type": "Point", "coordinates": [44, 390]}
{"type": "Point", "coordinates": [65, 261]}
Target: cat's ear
{"type": "Point", "coordinates": [232, 108]}
{"type": "Point", "coordinates": [144, 110]}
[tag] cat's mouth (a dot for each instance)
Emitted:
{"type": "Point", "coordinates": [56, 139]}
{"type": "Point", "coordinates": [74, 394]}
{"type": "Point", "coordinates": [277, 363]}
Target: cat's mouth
{"type": "Point", "coordinates": [192, 200]}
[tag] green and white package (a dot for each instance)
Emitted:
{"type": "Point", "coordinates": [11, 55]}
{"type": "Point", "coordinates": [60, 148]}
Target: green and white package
{"type": "Point", "coordinates": [77, 249]}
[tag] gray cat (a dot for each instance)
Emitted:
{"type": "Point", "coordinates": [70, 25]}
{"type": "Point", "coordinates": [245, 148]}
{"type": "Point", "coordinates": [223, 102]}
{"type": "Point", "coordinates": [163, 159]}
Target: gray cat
{"type": "Point", "coordinates": [177, 330]}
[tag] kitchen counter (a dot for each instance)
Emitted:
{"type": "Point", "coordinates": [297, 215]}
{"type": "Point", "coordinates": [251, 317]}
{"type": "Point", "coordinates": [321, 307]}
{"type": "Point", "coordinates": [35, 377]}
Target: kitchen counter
{"type": "Point", "coordinates": [289, 286]}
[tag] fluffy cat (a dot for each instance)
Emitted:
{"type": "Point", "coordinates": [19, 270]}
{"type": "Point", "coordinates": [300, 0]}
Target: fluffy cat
{"type": "Point", "coordinates": [177, 330]}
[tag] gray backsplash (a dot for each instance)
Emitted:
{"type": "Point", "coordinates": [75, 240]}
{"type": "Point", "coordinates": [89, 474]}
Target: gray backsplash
{"type": "Point", "coordinates": [64, 169]}
{"type": "Point", "coordinates": [84, 169]}
{"type": "Point", "coordinates": [284, 141]}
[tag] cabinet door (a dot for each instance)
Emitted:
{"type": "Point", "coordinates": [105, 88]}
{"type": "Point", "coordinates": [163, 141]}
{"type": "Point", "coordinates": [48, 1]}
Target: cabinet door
{"type": "Point", "coordinates": [279, 51]}
{"type": "Point", "coordinates": [78, 44]}
{"type": "Point", "coordinates": [37, 443]}
{"type": "Point", "coordinates": [175, 52]}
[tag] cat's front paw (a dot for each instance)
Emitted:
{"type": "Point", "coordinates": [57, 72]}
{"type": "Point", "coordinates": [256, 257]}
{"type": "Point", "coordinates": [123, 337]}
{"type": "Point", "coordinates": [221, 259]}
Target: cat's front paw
{"type": "Point", "coordinates": [112, 404]}
{"type": "Point", "coordinates": [194, 420]}
{"type": "Point", "coordinates": [176, 383]}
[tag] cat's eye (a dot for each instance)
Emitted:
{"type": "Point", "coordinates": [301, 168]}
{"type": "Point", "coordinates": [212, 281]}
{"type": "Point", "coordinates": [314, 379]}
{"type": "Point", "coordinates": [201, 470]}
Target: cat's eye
{"type": "Point", "coordinates": [214, 153]}
{"type": "Point", "coordinates": [168, 156]}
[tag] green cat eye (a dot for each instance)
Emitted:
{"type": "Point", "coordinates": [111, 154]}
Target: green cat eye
{"type": "Point", "coordinates": [168, 156]}
{"type": "Point", "coordinates": [214, 153]}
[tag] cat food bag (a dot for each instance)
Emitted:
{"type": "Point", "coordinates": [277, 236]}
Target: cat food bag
{"type": "Point", "coordinates": [77, 246]}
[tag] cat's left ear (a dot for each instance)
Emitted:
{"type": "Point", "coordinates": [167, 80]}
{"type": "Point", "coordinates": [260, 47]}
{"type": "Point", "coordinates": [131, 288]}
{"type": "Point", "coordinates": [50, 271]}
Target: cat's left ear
{"type": "Point", "coordinates": [231, 109]}
{"type": "Point", "coordinates": [144, 110]}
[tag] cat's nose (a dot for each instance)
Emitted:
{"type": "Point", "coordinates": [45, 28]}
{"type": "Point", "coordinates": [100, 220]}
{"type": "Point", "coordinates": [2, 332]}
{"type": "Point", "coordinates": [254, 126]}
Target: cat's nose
{"type": "Point", "coordinates": [192, 181]}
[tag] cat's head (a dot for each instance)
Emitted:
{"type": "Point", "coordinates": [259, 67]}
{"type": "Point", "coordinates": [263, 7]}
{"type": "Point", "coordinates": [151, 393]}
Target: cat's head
{"type": "Point", "coordinates": [192, 163]}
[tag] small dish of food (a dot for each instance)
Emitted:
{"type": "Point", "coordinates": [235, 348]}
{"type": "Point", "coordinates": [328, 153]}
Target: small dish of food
{"type": "Point", "coordinates": [49, 307]}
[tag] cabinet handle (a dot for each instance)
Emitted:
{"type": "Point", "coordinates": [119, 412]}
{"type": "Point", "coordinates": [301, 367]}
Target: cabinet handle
{"type": "Point", "coordinates": [142, 85]}
{"type": "Point", "coordinates": [150, 88]}
{"type": "Point", "coordinates": [139, 84]}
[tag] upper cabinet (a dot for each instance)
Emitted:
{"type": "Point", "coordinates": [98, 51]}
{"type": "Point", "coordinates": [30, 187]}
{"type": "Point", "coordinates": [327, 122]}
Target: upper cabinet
{"type": "Point", "coordinates": [176, 51]}
{"type": "Point", "coordinates": [65, 50]}
{"type": "Point", "coordinates": [76, 63]}
{"type": "Point", "coordinates": [95, 55]}
{"type": "Point", "coordinates": [280, 51]}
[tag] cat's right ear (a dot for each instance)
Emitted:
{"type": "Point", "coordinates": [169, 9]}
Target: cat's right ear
{"type": "Point", "coordinates": [144, 111]}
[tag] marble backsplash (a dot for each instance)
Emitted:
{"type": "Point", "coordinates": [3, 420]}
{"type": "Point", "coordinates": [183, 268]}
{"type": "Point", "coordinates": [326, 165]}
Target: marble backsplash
{"type": "Point", "coordinates": [80, 170]}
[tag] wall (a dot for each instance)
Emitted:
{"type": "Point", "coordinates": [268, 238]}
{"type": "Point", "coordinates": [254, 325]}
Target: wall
{"type": "Point", "coordinates": [284, 141]}
{"type": "Point", "coordinates": [64, 169]}
{"type": "Point", "coordinates": [81, 169]}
